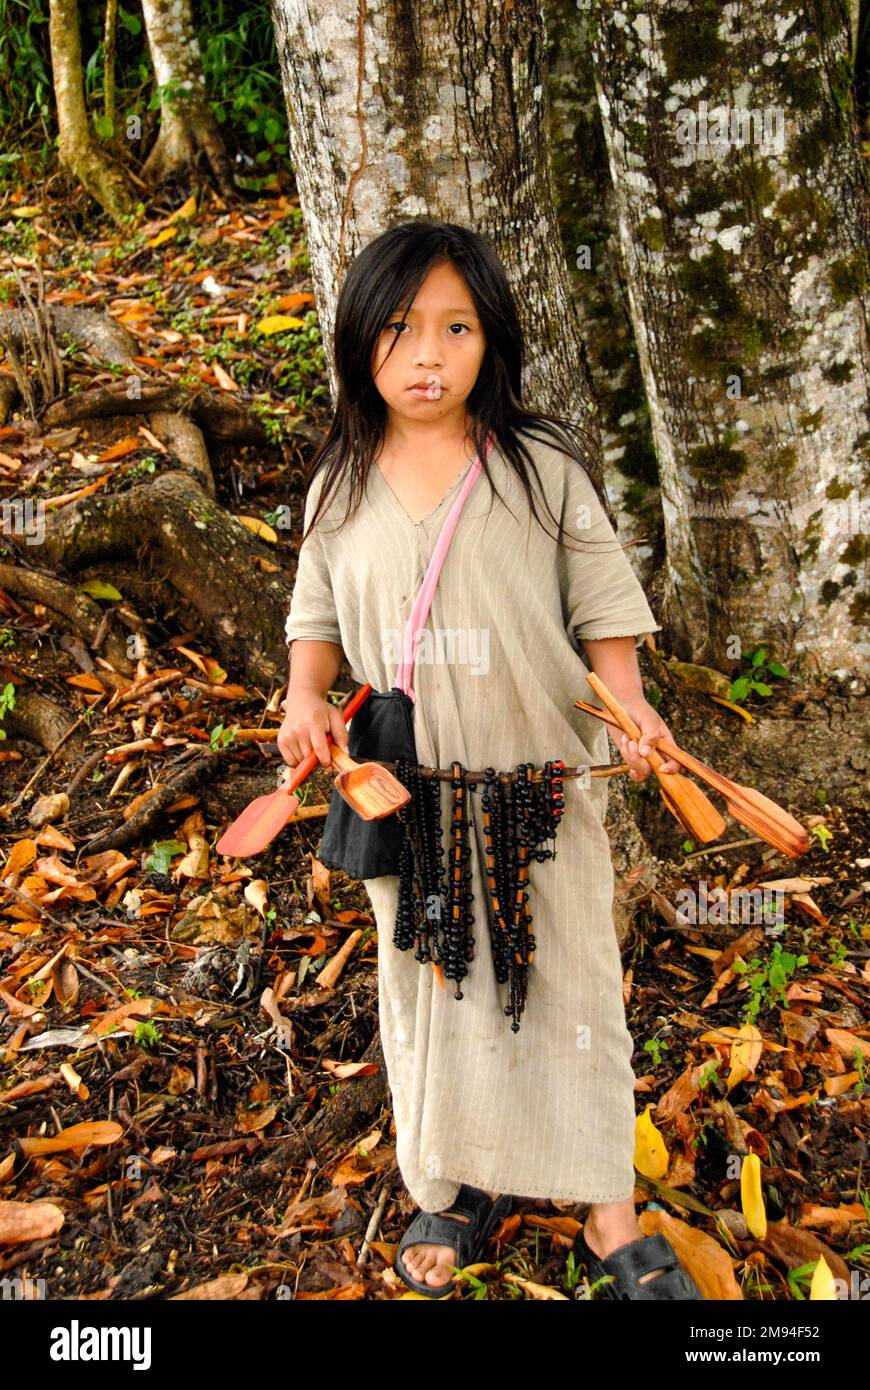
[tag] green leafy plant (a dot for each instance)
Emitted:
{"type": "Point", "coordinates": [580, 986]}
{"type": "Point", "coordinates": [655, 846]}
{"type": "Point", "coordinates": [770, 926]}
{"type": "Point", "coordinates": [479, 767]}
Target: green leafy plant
{"type": "Point", "coordinates": [838, 951]}
{"type": "Point", "coordinates": [479, 1289]}
{"type": "Point", "coordinates": [571, 1276]}
{"type": "Point", "coordinates": [221, 737]}
{"type": "Point", "coordinates": [710, 1074]}
{"type": "Point", "coordinates": [801, 1275]}
{"type": "Point", "coordinates": [823, 835]}
{"type": "Point", "coordinates": [146, 1034]}
{"type": "Point", "coordinates": [655, 1047]}
{"type": "Point", "coordinates": [162, 855]}
{"type": "Point", "coordinates": [148, 464]}
{"type": "Point", "coordinates": [752, 681]}
{"type": "Point", "coordinates": [7, 702]}
{"type": "Point", "coordinates": [768, 978]}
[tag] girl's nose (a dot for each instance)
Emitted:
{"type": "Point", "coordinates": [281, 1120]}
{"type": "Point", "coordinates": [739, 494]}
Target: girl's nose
{"type": "Point", "coordinates": [428, 355]}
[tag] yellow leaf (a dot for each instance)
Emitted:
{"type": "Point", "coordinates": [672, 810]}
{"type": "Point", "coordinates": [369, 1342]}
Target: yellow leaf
{"type": "Point", "coordinates": [186, 210]}
{"type": "Point", "coordinates": [166, 235]}
{"type": "Point", "coordinates": [22, 854]}
{"type": "Point", "coordinates": [26, 212]}
{"type": "Point", "coordinates": [543, 1291]}
{"type": "Point", "coordinates": [746, 1050]}
{"type": "Point", "coordinates": [703, 678]}
{"type": "Point", "coordinates": [75, 1137]}
{"type": "Point", "coordinates": [650, 1151]}
{"type": "Point", "coordinates": [256, 893]}
{"type": "Point", "coordinates": [822, 1286]}
{"type": "Point", "coordinates": [751, 1199]}
{"type": "Point", "coordinates": [259, 528]}
{"type": "Point", "coordinates": [738, 709]}
{"type": "Point", "coordinates": [279, 323]}
{"type": "Point", "coordinates": [223, 378]}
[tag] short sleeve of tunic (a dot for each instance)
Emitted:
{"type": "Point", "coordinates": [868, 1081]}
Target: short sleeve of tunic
{"type": "Point", "coordinates": [313, 615]}
{"type": "Point", "coordinates": [601, 594]}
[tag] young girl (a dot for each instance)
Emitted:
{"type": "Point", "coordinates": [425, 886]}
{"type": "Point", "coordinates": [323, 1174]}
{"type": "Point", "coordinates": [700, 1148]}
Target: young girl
{"type": "Point", "coordinates": [429, 351]}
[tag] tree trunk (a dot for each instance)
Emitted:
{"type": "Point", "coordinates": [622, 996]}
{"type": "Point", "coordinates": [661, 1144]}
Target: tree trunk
{"type": "Point", "coordinates": [586, 209]}
{"type": "Point", "coordinates": [78, 151]}
{"type": "Point", "coordinates": [441, 111]}
{"type": "Point", "coordinates": [408, 111]}
{"type": "Point", "coordinates": [747, 273]}
{"type": "Point", "coordinates": [187, 125]}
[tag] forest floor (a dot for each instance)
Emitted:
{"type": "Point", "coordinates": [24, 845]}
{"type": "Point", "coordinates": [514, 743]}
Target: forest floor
{"type": "Point", "coordinates": [170, 1059]}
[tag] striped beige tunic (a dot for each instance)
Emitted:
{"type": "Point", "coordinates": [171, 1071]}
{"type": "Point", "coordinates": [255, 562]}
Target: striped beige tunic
{"type": "Point", "coordinates": [547, 1111]}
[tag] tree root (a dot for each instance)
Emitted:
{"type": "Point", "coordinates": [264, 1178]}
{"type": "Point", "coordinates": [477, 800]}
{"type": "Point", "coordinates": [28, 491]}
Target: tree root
{"type": "Point", "coordinates": [353, 1110]}
{"type": "Point", "coordinates": [179, 433]}
{"type": "Point", "coordinates": [221, 417]}
{"type": "Point", "coordinates": [93, 329]}
{"type": "Point", "coordinates": [134, 829]}
{"type": "Point", "coordinates": [204, 553]}
{"type": "Point", "coordinates": [82, 613]}
{"type": "Point", "coordinates": [44, 722]}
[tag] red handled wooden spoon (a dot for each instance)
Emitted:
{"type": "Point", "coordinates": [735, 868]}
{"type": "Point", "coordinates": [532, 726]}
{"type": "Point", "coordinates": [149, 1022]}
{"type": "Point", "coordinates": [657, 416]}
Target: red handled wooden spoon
{"type": "Point", "coordinates": [266, 816]}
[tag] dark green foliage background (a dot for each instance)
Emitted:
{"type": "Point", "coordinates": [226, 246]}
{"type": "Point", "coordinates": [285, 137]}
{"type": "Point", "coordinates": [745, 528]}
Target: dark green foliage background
{"type": "Point", "coordinates": [239, 59]}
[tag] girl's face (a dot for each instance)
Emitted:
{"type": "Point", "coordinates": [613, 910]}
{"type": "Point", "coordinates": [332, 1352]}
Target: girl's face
{"type": "Point", "coordinates": [431, 370]}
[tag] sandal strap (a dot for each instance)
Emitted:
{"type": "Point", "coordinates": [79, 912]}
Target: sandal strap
{"type": "Point", "coordinates": [673, 1284]}
{"type": "Point", "coordinates": [472, 1202]}
{"type": "Point", "coordinates": [642, 1257]}
{"type": "Point", "coordinates": [437, 1228]}
{"type": "Point", "coordinates": [627, 1266]}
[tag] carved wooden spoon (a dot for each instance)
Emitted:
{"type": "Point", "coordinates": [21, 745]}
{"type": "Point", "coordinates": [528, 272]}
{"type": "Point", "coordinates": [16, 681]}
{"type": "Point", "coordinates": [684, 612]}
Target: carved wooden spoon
{"type": "Point", "coordinates": [685, 800]}
{"type": "Point", "coordinates": [749, 807]}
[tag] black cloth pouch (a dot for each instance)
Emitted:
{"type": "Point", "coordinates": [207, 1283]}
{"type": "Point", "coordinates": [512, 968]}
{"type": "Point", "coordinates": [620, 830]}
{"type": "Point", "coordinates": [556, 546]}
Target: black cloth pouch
{"type": "Point", "coordinates": [382, 729]}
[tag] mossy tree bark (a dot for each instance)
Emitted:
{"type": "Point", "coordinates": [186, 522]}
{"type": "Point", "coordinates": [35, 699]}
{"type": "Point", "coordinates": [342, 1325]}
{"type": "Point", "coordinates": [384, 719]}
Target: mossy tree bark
{"type": "Point", "coordinates": [585, 204]}
{"type": "Point", "coordinates": [747, 272]}
{"type": "Point", "coordinates": [187, 123]}
{"type": "Point", "coordinates": [404, 111]}
{"type": "Point", "coordinates": [78, 151]}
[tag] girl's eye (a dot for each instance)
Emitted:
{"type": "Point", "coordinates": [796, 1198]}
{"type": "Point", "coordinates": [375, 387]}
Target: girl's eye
{"type": "Point", "coordinates": [399, 324]}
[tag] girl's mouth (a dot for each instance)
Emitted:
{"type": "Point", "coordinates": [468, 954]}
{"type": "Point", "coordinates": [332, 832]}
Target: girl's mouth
{"type": "Point", "coordinates": [428, 393]}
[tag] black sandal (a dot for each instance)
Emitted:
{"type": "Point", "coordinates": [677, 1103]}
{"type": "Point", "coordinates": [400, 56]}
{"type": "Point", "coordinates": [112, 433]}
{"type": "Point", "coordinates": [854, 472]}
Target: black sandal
{"type": "Point", "coordinates": [630, 1262]}
{"type": "Point", "coordinates": [468, 1238]}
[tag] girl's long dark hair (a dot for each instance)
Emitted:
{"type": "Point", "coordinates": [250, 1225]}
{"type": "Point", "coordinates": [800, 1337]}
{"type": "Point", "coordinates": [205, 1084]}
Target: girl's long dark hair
{"type": "Point", "coordinates": [388, 273]}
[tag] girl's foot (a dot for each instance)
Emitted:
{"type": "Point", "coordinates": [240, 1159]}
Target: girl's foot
{"type": "Point", "coordinates": [610, 1226]}
{"type": "Point", "coordinates": [434, 1264]}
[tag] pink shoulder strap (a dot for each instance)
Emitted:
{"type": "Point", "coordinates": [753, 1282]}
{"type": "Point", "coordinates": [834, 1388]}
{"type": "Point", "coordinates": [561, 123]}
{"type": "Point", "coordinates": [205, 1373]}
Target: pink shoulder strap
{"type": "Point", "coordinates": [423, 601]}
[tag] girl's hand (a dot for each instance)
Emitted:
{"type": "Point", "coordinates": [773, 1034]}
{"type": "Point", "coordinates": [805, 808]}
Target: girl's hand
{"type": "Point", "coordinates": [307, 721]}
{"type": "Point", "coordinates": [652, 728]}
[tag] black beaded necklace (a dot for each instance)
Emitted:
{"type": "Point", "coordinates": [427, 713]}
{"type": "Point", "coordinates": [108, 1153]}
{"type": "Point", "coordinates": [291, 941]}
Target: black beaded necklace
{"type": "Point", "coordinates": [434, 912]}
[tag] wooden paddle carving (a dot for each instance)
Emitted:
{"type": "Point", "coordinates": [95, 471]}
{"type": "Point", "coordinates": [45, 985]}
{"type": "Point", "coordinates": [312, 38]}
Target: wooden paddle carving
{"type": "Point", "coordinates": [749, 807]}
{"type": "Point", "coordinates": [689, 806]}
